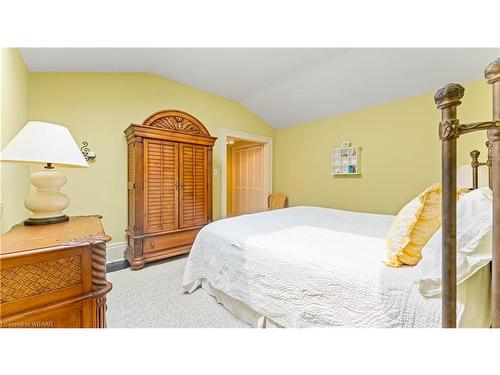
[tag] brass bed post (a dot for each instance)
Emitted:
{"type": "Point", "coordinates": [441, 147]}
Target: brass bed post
{"type": "Point", "coordinates": [489, 164]}
{"type": "Point", "coordinates": [492, 74]}
{"type": "Point", "coordinates": [475, 166]}
{"type": "Point", "coordinates": [447, 100]}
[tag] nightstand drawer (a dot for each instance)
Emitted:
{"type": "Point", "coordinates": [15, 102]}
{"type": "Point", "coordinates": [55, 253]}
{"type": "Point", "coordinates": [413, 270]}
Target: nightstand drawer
{"type": "Point", "coordinates": [67, 316]}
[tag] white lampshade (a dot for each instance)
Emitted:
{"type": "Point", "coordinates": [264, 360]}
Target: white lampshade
{"type": "Point", "coordinates": [464, 176]}
{"type": "Point", "coordinates": [42, 143]}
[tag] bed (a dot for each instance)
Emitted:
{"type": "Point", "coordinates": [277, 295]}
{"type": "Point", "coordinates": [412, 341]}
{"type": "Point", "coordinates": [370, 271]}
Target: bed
{"type": "Point", "coordinates": [319, 267]}
{"type": "Point", "coordinates": [447, 99]}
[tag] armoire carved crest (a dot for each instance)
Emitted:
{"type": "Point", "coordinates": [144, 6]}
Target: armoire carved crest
{"type": "Point", "coordinates": [176, 121]}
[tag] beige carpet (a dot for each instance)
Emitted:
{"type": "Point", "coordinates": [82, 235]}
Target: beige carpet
{"type": "Point", "coordinates": [153, 297]}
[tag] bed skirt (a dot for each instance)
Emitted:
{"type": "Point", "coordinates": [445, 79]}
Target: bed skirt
{"type": "Point", "coordinates": [242, 311]}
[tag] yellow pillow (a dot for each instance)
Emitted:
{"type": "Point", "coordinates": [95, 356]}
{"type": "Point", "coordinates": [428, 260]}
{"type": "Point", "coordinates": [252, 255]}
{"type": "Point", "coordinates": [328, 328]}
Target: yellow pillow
{"type": "Point", "coordinates": [414, 226]}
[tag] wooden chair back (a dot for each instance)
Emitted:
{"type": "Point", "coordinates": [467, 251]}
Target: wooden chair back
{"type": "Point", "coordinates": [276, 201]}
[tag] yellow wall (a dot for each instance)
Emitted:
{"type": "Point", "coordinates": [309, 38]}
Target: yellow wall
{"type": "Point", "coordinates": [13, 116]}
{"type": "Point", "coordinates": [400, 153]}
{"type": "Point", "coordinates": [400, 150]}
{"type": "Point", "coordinates": [97, 107]}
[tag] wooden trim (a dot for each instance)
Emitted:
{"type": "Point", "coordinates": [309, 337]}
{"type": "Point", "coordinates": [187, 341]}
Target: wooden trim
{"type": "Point", "coordinates": [139, 185]}
{"type": "Point", "coordinates": [176, 120]}
{"type": "Point", "coordinates": [166, 135]}
{"type": "Point", "coordinates": [13, 243]}
{"type": "Point", "coordinates": [100, 286]}
{"type": "Point", "coordinates": [138, 263]}
{"type": "Point", "coordinates": [268, 164]}
{"type": "Point", "coordinates": [145, 194]}
{"type": "Point", "coordinates": [235, 168]}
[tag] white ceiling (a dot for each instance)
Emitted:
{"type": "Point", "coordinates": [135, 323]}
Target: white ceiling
{"type": "Point", "coordinates": [285, 86]}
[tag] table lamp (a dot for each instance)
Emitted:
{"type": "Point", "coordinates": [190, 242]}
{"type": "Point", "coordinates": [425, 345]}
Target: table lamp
{"type": "Point", "coordinates": [51, 145]}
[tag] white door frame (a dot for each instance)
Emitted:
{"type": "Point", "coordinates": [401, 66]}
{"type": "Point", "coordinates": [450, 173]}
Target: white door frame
{"type": "Point", "coordinates": [268, 163]}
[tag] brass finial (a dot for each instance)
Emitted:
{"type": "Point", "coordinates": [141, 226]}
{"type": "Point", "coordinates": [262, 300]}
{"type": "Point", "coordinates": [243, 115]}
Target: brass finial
{"type": "Point", "coordinates": [449, 95]}
{"type": "Point", "coordinates": [492, 71]}
{"type": "Point", "coordinates": [475, 154]}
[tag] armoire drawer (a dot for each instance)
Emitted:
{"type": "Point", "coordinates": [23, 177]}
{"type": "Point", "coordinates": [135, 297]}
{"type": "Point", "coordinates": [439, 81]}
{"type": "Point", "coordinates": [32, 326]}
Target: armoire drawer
{"type": "Point", "coordinates": [170, 240]}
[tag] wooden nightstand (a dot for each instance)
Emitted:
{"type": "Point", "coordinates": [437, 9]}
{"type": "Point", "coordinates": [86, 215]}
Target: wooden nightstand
{"type": "Point", "coordinates": [54, 275]}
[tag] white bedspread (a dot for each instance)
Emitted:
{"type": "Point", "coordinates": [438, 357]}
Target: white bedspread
{"type": "Point", "coordinates": [311, 267]}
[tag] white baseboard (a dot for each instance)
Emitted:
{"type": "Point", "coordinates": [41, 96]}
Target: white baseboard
{"type": "Point", "coordinates": [114, 252]}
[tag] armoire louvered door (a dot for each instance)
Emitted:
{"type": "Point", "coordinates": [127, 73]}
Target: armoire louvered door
{"type": "Point", "coordinates": [193, 185]}
{"type": "Point", "coordinates": [169, 185]}
{"type": "Point", "coordinates": [160, 185]}
{"type": "Point", "coordinates": [175, 189]}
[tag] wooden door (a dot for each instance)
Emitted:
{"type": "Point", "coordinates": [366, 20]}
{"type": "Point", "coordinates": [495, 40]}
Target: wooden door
{"type": "Point", "coordinates": [160, 185]}
{"type": "Point", "coordinates": [193, 175]}
{"type": "Point", "coordinates": [248, 180]}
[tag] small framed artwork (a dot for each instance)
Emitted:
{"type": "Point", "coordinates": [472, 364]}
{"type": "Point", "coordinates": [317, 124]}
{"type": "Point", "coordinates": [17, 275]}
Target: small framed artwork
{"type": "Point", "coordinates": [345, 144]}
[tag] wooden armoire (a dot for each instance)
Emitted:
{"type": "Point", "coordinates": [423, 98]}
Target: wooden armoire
{"type": "Point", "coordinates": [169, 185]}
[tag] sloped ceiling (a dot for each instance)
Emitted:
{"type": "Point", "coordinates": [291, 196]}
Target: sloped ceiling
{"type": "Point", "coordinates": [285, 86]}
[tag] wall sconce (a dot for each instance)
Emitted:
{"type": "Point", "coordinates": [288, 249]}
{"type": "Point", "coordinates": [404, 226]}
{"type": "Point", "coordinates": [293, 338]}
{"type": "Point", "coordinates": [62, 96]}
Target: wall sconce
{"type": "Point", "coordinates": [88, 154]}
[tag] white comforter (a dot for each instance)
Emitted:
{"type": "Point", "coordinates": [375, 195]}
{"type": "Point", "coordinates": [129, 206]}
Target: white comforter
{"type": "Point", "coordinates": [311, 266]}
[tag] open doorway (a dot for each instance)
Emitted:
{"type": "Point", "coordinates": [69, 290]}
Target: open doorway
{"type": "Point", "coordinates": [245, 177]}
{"type": "Point", "coordinates": [246, 173]}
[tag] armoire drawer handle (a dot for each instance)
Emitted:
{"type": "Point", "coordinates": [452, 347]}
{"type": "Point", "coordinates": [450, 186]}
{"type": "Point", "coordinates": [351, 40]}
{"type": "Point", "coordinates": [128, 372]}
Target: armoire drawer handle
{"type": "Point", "coordinates": [151, 244]}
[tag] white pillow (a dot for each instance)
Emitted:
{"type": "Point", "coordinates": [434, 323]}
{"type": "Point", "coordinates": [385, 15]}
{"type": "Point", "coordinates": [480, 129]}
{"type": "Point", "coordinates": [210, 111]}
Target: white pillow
{"type": "Point", "coordinates": [474, 242]}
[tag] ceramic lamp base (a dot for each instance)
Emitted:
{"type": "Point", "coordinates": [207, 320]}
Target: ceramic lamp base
{"type": "Point", "coordinates": [47, 202]}
{"type": "Point", "coordinates": [49, 220]}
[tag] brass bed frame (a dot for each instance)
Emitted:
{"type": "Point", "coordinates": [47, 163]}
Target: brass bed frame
{"type": "Point", "coordinates": [450, 129]}
{"type": "Point", "coordinates": [475, 164]}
